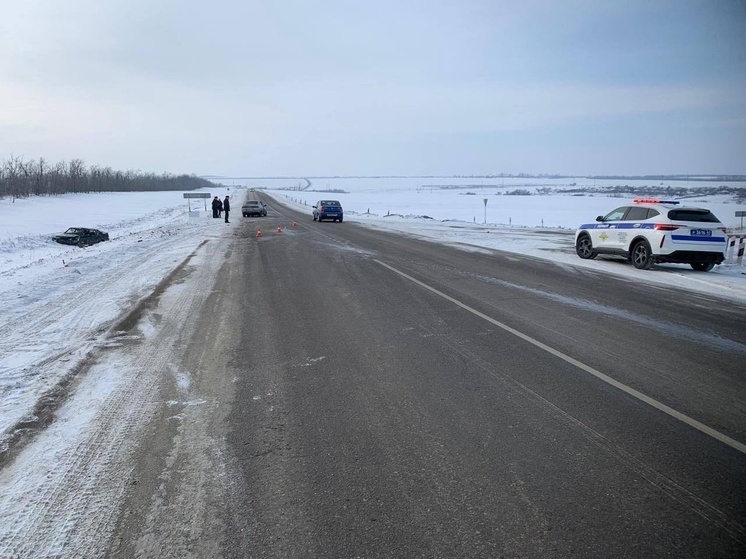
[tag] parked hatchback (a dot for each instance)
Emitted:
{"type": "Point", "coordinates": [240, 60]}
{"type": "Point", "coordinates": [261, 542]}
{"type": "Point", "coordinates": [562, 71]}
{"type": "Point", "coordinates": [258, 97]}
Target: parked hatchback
{"type": "Point", "coordinates": [328, 209]}
{"type": "Point", "coordinates": [651, 231]}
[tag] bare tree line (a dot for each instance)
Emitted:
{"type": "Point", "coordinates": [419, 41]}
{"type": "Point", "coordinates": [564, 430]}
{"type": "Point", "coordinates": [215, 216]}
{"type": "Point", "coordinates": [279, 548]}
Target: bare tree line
{"type": "Point", "coordinates": [20, 179]}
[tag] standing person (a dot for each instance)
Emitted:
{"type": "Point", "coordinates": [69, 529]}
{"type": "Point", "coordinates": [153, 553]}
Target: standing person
{"type": "Point", "coordinates": [220, 207]}
{"type": "Point", "coordinates": [215, 203]}
{"type": "Point", "coordinates": [226, 208]}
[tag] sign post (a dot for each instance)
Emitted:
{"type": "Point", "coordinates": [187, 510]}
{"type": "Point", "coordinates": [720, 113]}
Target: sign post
{"type": "Point", "coordinates": [190, 195]}
{"type": "Point", "coordinates": [741, 215]}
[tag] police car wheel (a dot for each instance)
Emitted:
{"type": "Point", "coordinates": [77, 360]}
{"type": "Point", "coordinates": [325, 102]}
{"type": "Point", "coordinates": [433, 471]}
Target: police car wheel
{"type": "Point", "coordinates": [584, 247]}
{"type": "Point", "coordinates": [641, 255]}
{"type": "Point", "coordinates": [702, 266]}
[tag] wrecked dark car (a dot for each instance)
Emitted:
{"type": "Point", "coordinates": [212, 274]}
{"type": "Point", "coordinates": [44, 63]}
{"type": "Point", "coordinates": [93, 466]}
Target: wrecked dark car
{"type": "Point", "coordinates": [81, 236]}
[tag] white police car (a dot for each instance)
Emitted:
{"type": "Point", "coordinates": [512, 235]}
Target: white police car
{"type": "Point", "coordinates": [652, 231]}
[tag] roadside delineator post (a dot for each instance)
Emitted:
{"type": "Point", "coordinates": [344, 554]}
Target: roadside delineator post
{"type": "Point", "coordinates": [735, 249]}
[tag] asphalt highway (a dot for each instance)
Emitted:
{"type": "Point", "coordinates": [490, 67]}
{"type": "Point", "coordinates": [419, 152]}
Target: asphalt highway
{"type": "Point", "coordinates": [384, 396]}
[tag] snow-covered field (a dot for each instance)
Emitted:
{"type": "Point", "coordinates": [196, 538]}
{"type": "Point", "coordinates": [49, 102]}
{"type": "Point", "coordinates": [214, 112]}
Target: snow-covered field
{"type": "Point", "coordinates": [61, 307]}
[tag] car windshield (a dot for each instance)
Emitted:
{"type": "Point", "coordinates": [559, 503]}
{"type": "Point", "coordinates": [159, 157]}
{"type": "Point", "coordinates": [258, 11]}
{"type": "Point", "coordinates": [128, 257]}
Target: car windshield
{"type": "Point", "coordinates": [74, 231]}
{"type": "Point", "coordinates": [693, 215]}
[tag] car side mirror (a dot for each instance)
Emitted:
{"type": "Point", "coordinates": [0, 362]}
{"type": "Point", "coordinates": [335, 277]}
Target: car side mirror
{"type": "Point", "coordinates": [600, 218]}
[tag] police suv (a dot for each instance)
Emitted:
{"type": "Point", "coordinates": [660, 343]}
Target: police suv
{"type": "Point", "coordinates": [652, 231]}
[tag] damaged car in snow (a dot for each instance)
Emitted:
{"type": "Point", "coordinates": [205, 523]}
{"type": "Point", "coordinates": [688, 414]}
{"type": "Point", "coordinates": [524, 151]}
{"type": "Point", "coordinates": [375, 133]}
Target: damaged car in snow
{"type": "Point", "coordinates": [81, 236]}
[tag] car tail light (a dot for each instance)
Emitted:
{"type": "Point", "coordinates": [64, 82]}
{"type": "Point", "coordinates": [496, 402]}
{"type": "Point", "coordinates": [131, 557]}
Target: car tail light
{"type": "Point", "coordinates": [666, 227]}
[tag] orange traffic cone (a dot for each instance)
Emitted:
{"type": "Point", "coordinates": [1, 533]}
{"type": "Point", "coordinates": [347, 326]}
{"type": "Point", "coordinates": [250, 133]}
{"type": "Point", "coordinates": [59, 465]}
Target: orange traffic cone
{"type": "Point", "coordinates": [295, 224]}
{"type": "Point", "coordinates": [258, 232]}
{"type": "Point", "coordinates": [279, 229]}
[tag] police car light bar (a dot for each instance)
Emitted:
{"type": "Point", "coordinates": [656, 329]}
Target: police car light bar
{"type": "Point", "coordinates": [653, 201]}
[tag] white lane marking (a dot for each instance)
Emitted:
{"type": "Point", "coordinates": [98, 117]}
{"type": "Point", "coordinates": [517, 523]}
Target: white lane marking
{"type": "Point", "coordinates": [598, 374]}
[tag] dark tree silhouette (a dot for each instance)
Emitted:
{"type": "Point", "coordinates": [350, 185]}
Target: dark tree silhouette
{"type": "Point", "coordinates": [20, 179]}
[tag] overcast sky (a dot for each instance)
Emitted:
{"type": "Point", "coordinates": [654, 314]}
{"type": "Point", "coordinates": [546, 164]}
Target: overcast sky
{"type": "Point", "coordinates": [404, 87]}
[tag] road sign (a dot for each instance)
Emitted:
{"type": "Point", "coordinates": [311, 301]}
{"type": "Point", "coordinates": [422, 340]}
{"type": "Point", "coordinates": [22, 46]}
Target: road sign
{"type": "Point", "coordinates": [190, 195]}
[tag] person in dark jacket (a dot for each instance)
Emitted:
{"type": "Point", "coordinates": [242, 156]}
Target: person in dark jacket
{"type": "Point", "coordinates": [220, 208]}
{"type": "Point", "coordinates": [215, 204]}
{"type": "Point", "coordinates": [226, 208]}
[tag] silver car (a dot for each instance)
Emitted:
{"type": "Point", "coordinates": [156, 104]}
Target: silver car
{"type": "Point", "coordinates": [254, 207]}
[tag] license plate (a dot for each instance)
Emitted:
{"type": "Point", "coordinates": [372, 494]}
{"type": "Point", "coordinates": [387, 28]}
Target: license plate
{"type": "Point", "coordinates": [701, 233]}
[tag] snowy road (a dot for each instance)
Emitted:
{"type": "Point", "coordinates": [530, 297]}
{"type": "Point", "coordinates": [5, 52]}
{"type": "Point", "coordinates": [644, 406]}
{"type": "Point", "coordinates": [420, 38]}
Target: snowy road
{"type": "Point", "coordinates": [122, 364]}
